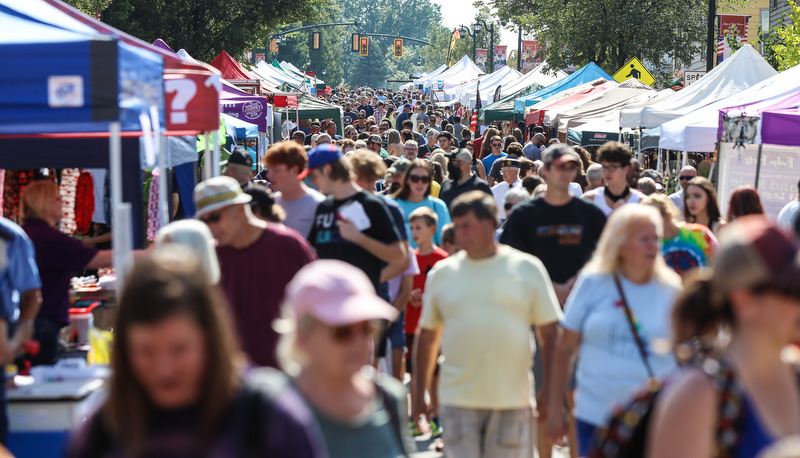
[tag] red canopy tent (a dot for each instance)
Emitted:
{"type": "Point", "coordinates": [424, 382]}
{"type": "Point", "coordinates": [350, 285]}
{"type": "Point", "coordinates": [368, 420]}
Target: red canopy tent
{"type": "Point", "coordinates": [536, 116]}
{"type": "Point", "coordinates": [233, 70]}
{"type": "Point", "coordinates": [191, 88]}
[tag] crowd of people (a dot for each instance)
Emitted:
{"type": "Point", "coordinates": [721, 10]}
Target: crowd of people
{"type": "Point", "coordinates": [522, 289]}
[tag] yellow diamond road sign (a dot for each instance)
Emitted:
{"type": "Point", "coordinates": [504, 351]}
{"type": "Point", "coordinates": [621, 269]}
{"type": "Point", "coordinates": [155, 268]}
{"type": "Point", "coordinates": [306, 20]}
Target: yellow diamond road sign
{"type": "Point", "coordinates": [634, 69]}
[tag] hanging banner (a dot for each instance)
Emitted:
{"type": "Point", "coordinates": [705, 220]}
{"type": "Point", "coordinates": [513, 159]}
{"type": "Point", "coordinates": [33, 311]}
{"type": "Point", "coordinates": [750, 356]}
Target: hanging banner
{"type": "Point", "coordinates": [726, 22]}
{"type": "Point", "coordinates": [529, 50]}
{"type": "Point", "coordinates": [480, 59]}
{"type": "Point", "coordinates": [500, 56]}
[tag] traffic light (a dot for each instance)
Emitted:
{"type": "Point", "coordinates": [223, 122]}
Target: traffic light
{"type": "Point", "coordinates": [398, 47]}
{"type": "Point", "coordinates": [363, 49]}
{"type": "Point", "coordinates": [355, 46]}
{"type": "Point", "coordinates": [315, 41]}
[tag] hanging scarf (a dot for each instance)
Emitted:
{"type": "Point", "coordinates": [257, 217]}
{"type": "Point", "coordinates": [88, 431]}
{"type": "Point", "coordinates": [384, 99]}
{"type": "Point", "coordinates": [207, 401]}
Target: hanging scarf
{"type": "Point", "coordinates": [153, 207]}
{"type": "Point", "coordinates": [84, 202]}
{"type": "Point", "coordinates": [613, 197]}
{"type": "Point", "coordinates": [68, 188]}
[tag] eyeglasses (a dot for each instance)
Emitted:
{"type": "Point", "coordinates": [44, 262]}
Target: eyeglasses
{"type": "Point", "coordinates": [685, 177]}
{"type": "Point", "coordinates": [611, 168]}
{"type": "Point", "coordinates": [497, 144]}
{"type": "Point", "coordinates": [343, 334]}
{"type": "Point", "coordinates": [419, 178]}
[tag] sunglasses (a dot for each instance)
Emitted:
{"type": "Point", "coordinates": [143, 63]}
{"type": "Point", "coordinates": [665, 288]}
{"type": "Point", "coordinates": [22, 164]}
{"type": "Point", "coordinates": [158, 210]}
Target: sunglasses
{"type": "Point", "coordinates": [497, 144]}
{"type": "Point", "coordinates": [343, 334]}
{"type": "Point", "coordinates": [419, 178]}
{"type": "Point", "coordinates": [685, 177]}
{"type": "Point", "coordinates": [212, 218]}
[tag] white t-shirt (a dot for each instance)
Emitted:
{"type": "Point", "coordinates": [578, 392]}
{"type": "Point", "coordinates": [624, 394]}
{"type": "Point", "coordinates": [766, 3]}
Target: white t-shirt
{"type": "Point", "coordinates": [300, 212]}
{"type": "Point", "coordinates": [610, 367]}
{"type": "Point", "coordinates": [788, 215]}
{"type": "Point", "coordinates": [575, 189]}
{"type": "Point", "coordinates": [499, 192]}
{"type": "Point", "coordinates": [677, 199]}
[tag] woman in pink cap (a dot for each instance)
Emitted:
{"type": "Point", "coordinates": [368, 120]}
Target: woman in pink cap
{"type": "Point", "coordinates": [332, 312]}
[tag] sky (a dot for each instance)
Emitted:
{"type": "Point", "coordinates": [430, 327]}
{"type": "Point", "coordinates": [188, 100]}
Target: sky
{"type": "Point", "coordinates": [457, 12]}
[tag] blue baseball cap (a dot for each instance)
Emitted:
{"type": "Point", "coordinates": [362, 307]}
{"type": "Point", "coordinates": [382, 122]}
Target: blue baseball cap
{"type": "Point", "coordinates": [319, 156]}
{"type": "Point", "coordinates": [408, 105]}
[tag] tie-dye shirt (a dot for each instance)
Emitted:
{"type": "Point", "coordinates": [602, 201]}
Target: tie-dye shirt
{"type": "Point", "coordinates": [694, 246]}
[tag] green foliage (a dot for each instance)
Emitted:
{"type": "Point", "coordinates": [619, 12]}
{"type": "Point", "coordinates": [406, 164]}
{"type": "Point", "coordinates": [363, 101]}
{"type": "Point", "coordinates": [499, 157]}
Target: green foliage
{"type": "Point", "coordinates": [732, 38]}
{"type": "Point", "coordinates": [609, 32]}
{"type": "Point", "coordinates": [90, 7]}
{"type": "Point", "coordinates": [783, 42]}
{"type": "Point", "coordinates": [206, 27]}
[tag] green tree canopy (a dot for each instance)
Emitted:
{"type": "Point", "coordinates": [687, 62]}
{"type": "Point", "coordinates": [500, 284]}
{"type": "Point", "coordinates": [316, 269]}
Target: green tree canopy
{"type": "Point", "coordinates": [206, 27]}
{"type": "Point", "coordinates": [609, 32]}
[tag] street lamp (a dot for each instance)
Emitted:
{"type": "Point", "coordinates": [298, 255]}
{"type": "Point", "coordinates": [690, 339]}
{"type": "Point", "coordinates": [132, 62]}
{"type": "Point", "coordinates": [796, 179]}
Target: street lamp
{"type": "Point", "coordinates": [479, 25]}
{"type": "Point", "coordinates": [464, 32]}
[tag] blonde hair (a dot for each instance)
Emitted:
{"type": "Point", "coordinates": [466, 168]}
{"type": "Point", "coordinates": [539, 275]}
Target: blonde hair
{"type": "Point", "coordinates": [35, 199]}
{"type": "Point", "coordinates": [664, 206]}
{"type": "Point", "coordinates": [195, 236]}
{"type": "Point", "coordinates": [620, 225]}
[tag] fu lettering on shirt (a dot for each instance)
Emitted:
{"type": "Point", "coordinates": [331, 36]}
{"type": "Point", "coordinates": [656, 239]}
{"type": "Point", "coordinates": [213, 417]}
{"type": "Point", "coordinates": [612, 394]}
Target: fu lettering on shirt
{"type": "Point", "coordinates": [327, 229]}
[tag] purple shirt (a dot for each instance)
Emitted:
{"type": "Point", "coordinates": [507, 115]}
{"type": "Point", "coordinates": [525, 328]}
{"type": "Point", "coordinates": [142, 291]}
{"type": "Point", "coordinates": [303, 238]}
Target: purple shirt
{"type": "Point", "coordinates": [254, 279]}
{"type": "Point", "coordinates": [59, 258]}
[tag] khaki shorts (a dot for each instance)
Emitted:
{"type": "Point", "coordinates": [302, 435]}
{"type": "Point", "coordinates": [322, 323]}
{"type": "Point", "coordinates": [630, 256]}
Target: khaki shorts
{"type": "Point", "coordinates": [483, 433]}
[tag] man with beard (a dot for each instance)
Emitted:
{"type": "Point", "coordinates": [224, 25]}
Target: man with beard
{"type": "Point", "coordinates": [461, 179]}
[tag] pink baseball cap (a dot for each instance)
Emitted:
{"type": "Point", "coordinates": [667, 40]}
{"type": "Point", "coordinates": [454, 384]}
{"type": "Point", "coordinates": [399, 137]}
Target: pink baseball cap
{"type": "Point", "coordinates": [336, 293]}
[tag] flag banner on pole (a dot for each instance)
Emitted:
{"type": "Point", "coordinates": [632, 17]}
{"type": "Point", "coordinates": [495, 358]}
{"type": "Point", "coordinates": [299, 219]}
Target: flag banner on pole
{"type": "Point", "coordinates": [473, 125]}
{"type": "Point", "coordinates": [453, 39]}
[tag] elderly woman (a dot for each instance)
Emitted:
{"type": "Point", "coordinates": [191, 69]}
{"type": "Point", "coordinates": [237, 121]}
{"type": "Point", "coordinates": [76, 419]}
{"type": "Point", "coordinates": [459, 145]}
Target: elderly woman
{"type": "Point", "coordinates": [331, 318]}
{"type": "Point", "coordinates": [426, 150]}
{"type": "Point", "coordinates": [615, 318]}
{"type": "Point", "coordinates": [59, 258]}
{"type": "Point", "coordinates": [177, 387]}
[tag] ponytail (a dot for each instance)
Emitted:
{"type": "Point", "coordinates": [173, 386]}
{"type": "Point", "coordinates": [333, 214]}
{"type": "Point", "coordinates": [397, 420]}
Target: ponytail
{"type": "Point", "coordinates": [698, 312]}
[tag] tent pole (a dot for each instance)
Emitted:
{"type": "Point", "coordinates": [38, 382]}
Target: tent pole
{"type": "Point", "coordinates": [758, 165]}
{"type": "Point", "coordinates": [684, 158]}
{"type": "Point", "coordinates": [121, 213]}
{"type": "Point", "coordinates": [162, 167]}
{"type": "Point", "coordinates": [207, 159]}
{"type": "Point", "coordinates": [215, 157]}
{"type": "Point", "coordinates": [658, 163]}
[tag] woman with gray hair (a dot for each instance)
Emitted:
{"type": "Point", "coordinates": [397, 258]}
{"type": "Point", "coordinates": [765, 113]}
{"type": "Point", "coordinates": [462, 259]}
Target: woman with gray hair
{"type": "Point", "coordinates": [194, 235]}
{"type": "Point", "coordinates": [426, 150]}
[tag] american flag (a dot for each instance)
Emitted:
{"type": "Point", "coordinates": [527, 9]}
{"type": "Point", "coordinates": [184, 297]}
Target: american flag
{"type": "Point", "coordinates": [473, 125]}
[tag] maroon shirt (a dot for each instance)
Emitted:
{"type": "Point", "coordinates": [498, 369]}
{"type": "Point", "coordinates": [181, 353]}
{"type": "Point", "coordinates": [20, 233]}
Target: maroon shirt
{"type": "Point", "coordinates": [59, 258]}
{"type": "Point", "coordinates": [254, 279]}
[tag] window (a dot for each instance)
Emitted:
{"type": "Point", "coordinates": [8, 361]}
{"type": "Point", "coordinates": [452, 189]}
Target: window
{"type": "Point", "coordinates": [764, 20]}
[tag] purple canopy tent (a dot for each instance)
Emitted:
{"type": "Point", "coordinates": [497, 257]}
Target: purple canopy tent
{"type": "Point", "coordinates": [781, 126]}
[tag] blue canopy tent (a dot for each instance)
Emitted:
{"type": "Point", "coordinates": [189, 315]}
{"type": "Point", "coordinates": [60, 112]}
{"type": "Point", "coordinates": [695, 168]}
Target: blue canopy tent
{"type": "Point", "coordinates": [68, 89]}
{"type": "Point", "coordinates": [587, 73]}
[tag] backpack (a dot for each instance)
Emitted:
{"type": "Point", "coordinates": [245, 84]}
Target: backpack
{"type": "Point", "coordinates": [625, 435]}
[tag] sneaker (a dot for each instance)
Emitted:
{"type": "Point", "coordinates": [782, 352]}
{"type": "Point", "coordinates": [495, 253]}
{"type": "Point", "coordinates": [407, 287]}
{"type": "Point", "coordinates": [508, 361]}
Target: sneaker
{"type": "Point", "coordinates": [436, 428]}
{"type": "Point", "coordinates": [415, 429]}
{"type": "Point", "coordinates": [439, 445]}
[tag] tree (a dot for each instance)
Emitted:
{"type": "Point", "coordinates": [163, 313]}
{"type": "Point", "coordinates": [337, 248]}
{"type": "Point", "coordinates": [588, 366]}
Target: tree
{"type": "Point", "coordinates": [206, 27]}
{"type": "Point", "coordinates": [90, 7]}
{"type": "Point", "coordinates": [783, 42]}
{"type": "Point", "coordinates": [609, 32]}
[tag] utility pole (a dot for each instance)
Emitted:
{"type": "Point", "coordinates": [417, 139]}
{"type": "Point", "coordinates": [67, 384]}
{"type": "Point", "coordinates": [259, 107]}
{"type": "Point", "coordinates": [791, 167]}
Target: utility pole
{"type": "Point", "coordinates": [519, 50]}
{"type": "Point", "coordinates": [711, 37]}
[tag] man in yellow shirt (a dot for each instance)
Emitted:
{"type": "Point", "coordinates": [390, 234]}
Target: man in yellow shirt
{"type": "Point", "coordinates": [479, 305]}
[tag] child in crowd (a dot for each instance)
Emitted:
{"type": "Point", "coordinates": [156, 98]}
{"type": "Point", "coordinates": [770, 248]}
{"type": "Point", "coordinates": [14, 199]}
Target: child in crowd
{"type": "Point", "coordinates": [449, 239]}
{"type": "Point", "coordinates": [424, 222]}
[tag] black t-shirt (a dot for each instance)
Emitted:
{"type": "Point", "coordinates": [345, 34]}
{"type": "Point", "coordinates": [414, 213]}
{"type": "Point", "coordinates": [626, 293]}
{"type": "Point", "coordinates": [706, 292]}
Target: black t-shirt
{"type": "Point", "coordinates": [325, 237]}
{"type": "Point", "coordinates": [367, 109]}
{"type": "Point", "coordinates": [424, 151]}
{"type": "Point", "coordinates": [450, 190]}
{"type": "Point", "coordinates": [563, 237]}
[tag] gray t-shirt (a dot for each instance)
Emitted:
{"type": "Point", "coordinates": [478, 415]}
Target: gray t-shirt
{"type": "Point", "coordinates": [300, 212]}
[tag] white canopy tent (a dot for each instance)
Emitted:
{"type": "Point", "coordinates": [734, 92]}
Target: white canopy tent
{"type": "Point", "coordinates": [467, 92]}
{"type": "Point", "coordinates": [631, 90]}
{"type": "Point", "coordinates": [743, 69]}
{"type": "Point", "coordinates": [697, 131]}
{"type": "Point", "coordinates": [419, 80]}
{"type": "Point", "coordinates": [462, 71]}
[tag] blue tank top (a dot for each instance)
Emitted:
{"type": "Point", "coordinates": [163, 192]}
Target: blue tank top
{"type": "Point", "coordinates": [753, 436]}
